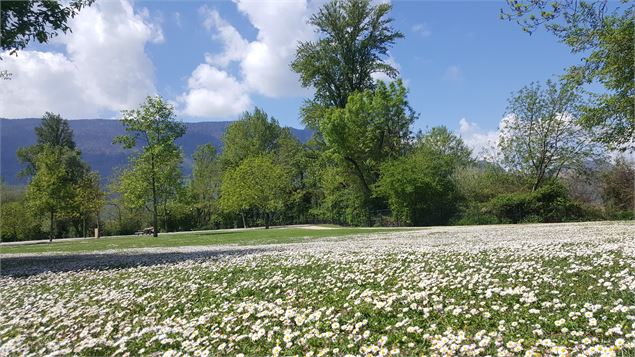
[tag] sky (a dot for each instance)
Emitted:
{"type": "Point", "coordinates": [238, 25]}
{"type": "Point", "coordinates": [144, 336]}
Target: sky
{"type": "Point", "coordinates": [215, 59]}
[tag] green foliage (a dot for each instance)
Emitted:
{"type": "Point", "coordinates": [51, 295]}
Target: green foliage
{"type": "Point", "coordinates": [154, 176]}
{"type": "Point", "coordinates": [373, 127]}
{"type": "Point", "coordinates": [540, 136]}
{"type": "Point", "coordinates": [618, 191]}
{"type": "Point", "coordinates": [251, 135]}
{"type": "Point", "coordinates": [547, 204]}
{"type": "Point", "coordinates": [206, 180]}
{"type": "Point", "coordinates": [480, 183]}
{"type": "Point", "coordinates": [605, 36]}
{"type": "Point", "coordinates": [355, 38]}
{"type": "Point", "coordinates": [26, 20]}
{"type": "Point", "coordinates": [54, 131]}
{"type": "Point", "coordinates": [89, 198]}
{"type": "Point", "coordinates": [16, 222]}
{"type": "Point", "coordinates": [257, 183]}
{"type": "Point", "coordinates": [443, 142]}
{"type": "Point", "coordinates": [53, 188]}
{"type": "Point", "coordinates": [419, 187]}
{"type": "Point", "coordinates": [611, 114]}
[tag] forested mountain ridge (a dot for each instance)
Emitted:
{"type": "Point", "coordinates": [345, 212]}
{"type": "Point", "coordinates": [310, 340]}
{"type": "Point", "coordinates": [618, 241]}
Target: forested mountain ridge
{"type": "Point", "coordinates": [94, 140]}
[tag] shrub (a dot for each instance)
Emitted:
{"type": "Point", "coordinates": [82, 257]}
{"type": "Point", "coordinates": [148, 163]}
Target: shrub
{"type": "Point", "coordinates": [549, 203]}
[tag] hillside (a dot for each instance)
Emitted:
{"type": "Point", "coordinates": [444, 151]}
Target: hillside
{"type": "Point", "coordinates": [94, 139]}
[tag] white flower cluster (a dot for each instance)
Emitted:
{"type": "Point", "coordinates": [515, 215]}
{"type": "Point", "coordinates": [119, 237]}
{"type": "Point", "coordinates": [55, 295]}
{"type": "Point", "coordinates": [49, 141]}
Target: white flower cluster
{"type": "Point", "coordinates": [534, 290]}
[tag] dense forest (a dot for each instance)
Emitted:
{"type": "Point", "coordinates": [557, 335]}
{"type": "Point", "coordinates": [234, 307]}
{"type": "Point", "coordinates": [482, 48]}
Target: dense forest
{"type": "Point", "coordinates": [558, 158]}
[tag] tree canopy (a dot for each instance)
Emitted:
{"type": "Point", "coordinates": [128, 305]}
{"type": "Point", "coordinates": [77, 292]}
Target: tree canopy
{"type": "Point", "coordinates": [603, 33]}
{"type": "Point", "coordinates": [540, 136]}
{"type": "Point", "coordinates": [24, 21]}
{"type": "Point", "coordinates": [257, 183]}
{"type": "Point", "coordinates": [155, 172]}
{"type": "Point", "coordinates": [355, 36]}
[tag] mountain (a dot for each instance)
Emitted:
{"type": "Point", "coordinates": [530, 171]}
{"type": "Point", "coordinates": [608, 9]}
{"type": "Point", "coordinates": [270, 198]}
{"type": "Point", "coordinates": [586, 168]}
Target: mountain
{"type": "Point", "coordinates": [94, 140]}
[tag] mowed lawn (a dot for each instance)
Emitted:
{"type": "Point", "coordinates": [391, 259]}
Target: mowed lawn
{"type": "Point", "coordinates": [239, 237]}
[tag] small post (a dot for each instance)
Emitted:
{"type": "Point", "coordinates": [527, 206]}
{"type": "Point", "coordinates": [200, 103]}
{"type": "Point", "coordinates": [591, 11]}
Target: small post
{"type": "Point", "coordinates": [97, 232]}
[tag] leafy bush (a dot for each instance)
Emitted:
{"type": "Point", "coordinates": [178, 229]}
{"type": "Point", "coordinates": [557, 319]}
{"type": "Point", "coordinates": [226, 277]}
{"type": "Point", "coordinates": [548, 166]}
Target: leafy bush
{"type": "Point", "coordinates": [549, 203]}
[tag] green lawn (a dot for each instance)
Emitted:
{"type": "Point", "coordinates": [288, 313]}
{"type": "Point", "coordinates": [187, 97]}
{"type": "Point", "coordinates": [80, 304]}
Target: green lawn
{"type": "Point", "coordinates": [239, 237]}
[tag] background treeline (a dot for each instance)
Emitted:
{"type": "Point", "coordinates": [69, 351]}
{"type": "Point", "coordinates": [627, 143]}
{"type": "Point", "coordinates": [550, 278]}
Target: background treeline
{"type": "Point", "coordinates": [364, 165]}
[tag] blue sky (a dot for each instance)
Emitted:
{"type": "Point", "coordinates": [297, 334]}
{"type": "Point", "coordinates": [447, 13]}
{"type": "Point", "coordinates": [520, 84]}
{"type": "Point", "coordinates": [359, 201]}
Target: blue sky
{"type": "Point", "coordinates": [459, 60]}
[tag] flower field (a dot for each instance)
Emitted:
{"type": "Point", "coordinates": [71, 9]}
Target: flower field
{"type": "Point", "coordinates": [529, 290]}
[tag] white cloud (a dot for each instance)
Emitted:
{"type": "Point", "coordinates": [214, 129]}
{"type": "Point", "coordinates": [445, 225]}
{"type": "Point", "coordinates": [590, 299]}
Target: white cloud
{"type": "Point", "coordinates": [105, 67]}
{"type": "Point", "coordinates": [263, 64]}
{"type": "Point", "coordinates": [484, 144]}
{"type": "Point", "coordinates": [453, 74]}
{"type": "Point", "coordinates": [422, 30]}
{"type": "Point", "coordinates": [234, 44]}
{"type": "Point", "coordinates": [214, 93]}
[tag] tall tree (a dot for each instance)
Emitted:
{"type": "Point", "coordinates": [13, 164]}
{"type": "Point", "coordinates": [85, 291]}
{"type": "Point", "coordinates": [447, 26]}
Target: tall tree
{"type": "Point", "coordinates": [52, 189]}
{"type": "Point", "coordinates": [257, 183]}
{"type": "Point", "coordinates": [604, 33]}
{"type": "Point", "coordinates": [251, 135]}
{"type": "Point", "coordinates": [355, 37]}
{"type": "Point", "coordinates": [154, 170]}
{"type": "Point", "coordinates": [373, 127]}
{"type": "Point", "coordinates": [89, 198]}
{"type": "Point", "coordinates": [54, 131]}
{"type": "Point", "coordinates": [540, 136]}
{"type": "Point", "coordinates": [23, 21]}
{"type": "Point", "coordinates": [206, 181]}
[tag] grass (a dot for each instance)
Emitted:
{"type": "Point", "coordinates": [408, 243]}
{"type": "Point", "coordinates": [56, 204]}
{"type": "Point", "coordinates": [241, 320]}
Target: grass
{"type": "Point", "coordinates": [238, 237]}
{"type": "Point", "coordinates": [539, 290]}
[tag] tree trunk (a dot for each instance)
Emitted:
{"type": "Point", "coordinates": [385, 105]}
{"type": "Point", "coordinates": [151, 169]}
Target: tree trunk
{"type": "Point", "coordinates": [267, 218]}
{"type": "Point", "coordinates": [52, 230]}
{"type": "Point", "coordinates": [84, 226]}
{"type": "Point", "coordinates": [244, 222]}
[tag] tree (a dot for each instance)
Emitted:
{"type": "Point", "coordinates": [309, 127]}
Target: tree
{"type": "Point", "coordinates": [442, 141]}
{"type": "Point", "coordinates": [251, 135]}
{"type": "Point", "coordinates": [355, 38]}
{"type": "Point", "coordinates": [618, 183]}
{"type": "Point", "coordinates": [52, 189]}
{"type": "Point", "coordinates": [419, 187]}
{"type": "Point", "coordinates": [540, 136]}
{"type": "Point", "coordinates": [89, 198]}
{"type": "Point", "coordinates": [257, 183]}
{"type": "Point", "coordinates": [373, 127]}
{"type": "Point", "coordinates": [26, 20]}
{"type": "Point", "coordinates": [604, 34]}
{"type": "Point", "coordinates": [206, 180]}
{"type": "Point", "coordinates": [155, 171]}
{"type": "Point", "coordinates": [54, 131]}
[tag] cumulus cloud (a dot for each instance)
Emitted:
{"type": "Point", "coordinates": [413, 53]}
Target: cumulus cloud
{"type": "Point", "coordinates": [263, 64]}
{"type": "Point", "coordinates": [484, 144]}
{"type": "Point", "coordinates": [104, 67]}
{"type": "Point", "coordinates": [214, 93]}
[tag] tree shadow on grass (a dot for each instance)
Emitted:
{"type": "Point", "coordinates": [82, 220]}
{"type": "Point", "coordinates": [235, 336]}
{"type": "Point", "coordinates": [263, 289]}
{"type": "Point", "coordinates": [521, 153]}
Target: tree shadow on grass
{"type": "Point", "coordinates": [25, 266]}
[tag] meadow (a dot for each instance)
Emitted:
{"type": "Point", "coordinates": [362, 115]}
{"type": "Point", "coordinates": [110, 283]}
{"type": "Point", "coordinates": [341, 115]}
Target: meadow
{"type": "Point", "coordinates": [529, 290]}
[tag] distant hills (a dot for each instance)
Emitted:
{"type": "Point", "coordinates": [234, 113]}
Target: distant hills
{"type": "Point", "coordinates": [94, 140]}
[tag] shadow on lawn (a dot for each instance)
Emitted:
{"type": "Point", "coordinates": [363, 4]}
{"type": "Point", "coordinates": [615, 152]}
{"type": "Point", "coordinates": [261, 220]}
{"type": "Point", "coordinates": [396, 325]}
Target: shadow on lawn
{"type": "Point", "coordinates": [31, 265]}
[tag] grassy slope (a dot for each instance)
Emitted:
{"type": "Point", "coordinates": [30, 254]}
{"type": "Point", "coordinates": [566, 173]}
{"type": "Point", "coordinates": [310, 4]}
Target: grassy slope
{"type": "Point", "coordinates": [256, 236]}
